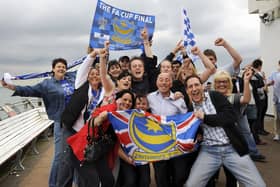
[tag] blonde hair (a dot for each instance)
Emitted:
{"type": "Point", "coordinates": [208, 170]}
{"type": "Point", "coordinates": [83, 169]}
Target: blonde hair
{"type": "Point", "coordinates": [223, 75]}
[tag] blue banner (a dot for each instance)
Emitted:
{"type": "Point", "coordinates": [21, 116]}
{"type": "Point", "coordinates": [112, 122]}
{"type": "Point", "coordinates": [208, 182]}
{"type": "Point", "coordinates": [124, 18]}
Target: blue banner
{"type": "Point", "coordinates": [122, 28]}
{"type": "Point", "coordinates": [48, 73]}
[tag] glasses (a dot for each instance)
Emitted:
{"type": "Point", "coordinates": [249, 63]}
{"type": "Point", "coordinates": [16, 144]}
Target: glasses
{"type": "Point", "coordinates": [221, 81]}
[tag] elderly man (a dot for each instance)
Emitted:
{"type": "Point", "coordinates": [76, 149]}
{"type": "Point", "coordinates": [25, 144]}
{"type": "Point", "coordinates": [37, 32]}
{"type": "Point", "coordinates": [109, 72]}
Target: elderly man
{"type": "Point", "coordinates": [173, 172]}
{"type": "Point", "coordinates": [222, 143]}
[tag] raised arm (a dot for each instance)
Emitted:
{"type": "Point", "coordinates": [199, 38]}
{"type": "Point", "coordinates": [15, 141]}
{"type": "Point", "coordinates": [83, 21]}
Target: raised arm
{"type": "Point", "coordinates": [8, 86]}
{"type": "Point", "coordinates": [179, 46]}
{"type": "Point", "coordinates": [209, 67]}
{"type": "Point", "coordinates": [146, 43]}
{"type": "Point", "coordinates": [237, 59]}
{"type": "Point", "coordinates": [245, 99]}
{"type": "Point", "coordinates": [106, 81]}
{"type": "Point", "coordinates": [84, 69]}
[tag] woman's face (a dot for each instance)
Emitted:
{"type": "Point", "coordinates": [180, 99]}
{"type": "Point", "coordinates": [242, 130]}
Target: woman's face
{"type": "Point", "coordinates": [59, 70]}
{"type": "Point", "coordinates": [187, 70]}
{"type": "Point", "coordinates": [222, 85]}
{"type": "Point", "coordinates": [114, 71]}
{"type": "Point", "coordinates": [124, 83]}
{"type": "Point", "coordinates": [94, 77]}
{"type": "Point", "coordinates": [125, 102]}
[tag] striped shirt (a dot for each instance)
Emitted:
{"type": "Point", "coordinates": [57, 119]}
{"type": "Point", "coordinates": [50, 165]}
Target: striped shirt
{"type": "Point", "coordinates": [211, 135]}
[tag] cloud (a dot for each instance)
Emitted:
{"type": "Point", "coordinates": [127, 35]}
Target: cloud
{"type": "Point", "coordinates": [34, 32]}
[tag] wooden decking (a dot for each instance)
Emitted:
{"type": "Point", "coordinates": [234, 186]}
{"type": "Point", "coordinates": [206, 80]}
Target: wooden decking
{"type": "Point", "coordinates": [37, 166]}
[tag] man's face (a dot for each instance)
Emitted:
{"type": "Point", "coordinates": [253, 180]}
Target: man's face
{"type": "Point", "coordinates": [164, 83]}
{"type": "Point", "coordinates": [195, 90]}
{"type": "Point", "coordinates": [212, 59]}
{"type": "Point", "coordinates": [165, 67]}
{"type": "Point", "coordinates": [124, 65]}
{"type": "Point", "coordinates": [175, 68]}
{"type": "Point", "coordinates": [137, 69]}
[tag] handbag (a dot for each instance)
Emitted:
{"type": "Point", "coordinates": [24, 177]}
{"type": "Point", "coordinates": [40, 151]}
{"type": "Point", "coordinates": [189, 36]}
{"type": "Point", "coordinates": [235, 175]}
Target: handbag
{"type": "Point", "coordinates": [97, 148]}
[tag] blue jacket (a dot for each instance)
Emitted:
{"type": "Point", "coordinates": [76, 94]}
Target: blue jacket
{"type": "Point", "coordinates": [51, 92]}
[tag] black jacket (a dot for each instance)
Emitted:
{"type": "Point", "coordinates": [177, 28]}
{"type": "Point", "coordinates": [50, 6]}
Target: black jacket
{"type": "Point", "coordinates": [227, 119]}
{"type": "Point", "coordinates": [73, 109]}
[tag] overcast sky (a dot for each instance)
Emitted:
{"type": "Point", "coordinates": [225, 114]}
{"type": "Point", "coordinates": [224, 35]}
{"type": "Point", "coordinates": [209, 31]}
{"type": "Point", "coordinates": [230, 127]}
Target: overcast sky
{"type": "Point", "coordinates": [32, 33]}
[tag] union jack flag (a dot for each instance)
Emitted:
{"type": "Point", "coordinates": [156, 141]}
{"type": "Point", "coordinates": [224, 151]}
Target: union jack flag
{"type": "Point", "coordinates": [147, 137]}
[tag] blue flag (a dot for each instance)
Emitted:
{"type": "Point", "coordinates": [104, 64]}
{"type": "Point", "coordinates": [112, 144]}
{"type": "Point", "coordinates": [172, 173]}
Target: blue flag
{"type": "Point", "coordinates": [121, 27]}
{"type": "Point", "coordinates": [147, 137]}
{"type": "Point", "coordinates": [48, 73]}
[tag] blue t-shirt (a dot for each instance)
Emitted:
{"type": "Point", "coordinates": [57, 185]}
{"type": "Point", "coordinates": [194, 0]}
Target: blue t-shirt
{"type": "Point", "coordinates": [68, 90]}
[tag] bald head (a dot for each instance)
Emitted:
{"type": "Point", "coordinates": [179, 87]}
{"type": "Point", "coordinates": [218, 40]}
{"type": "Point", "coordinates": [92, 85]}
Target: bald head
{"type": "Point", "coordinates": [164, 83]}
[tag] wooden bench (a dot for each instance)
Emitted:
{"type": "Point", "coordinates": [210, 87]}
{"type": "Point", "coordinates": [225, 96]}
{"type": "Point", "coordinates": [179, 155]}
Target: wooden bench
{"type": "Point", "coordinates": [18, 131]}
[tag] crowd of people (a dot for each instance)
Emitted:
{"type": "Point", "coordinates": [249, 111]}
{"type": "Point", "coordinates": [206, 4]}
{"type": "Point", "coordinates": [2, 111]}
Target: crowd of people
{"type": "Point", "coordinates": [230, 102]}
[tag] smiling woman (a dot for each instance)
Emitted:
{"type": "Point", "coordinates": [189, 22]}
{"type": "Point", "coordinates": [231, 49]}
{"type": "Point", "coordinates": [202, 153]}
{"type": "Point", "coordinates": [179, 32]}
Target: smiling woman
{"type": "Point", "coordinates": [56, 93]}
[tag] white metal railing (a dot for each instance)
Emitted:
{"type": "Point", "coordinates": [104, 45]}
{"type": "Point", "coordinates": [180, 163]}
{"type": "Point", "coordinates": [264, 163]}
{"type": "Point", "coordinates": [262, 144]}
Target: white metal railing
{"type": "Point", "coordinates": [10, 109]}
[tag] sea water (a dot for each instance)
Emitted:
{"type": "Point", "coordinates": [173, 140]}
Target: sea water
{"type": "Point", "coordinates": [6, 96]}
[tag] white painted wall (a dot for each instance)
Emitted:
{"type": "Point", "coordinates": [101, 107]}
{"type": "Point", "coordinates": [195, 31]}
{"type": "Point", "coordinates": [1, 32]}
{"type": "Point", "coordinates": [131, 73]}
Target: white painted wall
{"type": "Point", "coordinates": [269, 38]}
{"type": "Point", "coordinates": [270, 51]}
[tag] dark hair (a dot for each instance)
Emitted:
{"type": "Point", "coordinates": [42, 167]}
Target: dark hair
{"type": "Point", "coordinates": [123, 74]}
{"type": "Point", "coordinates": [122, 92]}
{"type": "Point", "coordinates": [257, 63]}
{"type": "Point", "coordinates": [59, 60]}
{"type": "Point", "coordinates": [210, 52]}
{"type": "Point", "coordinates": [113, 63]}
{"type": "Point", "coordinates": [192, 76]}
{"type": "Point", "coordinates": [124, 58]}
{"type": "Point", "coordinates": [176, 62]}
{"type": "Point", "coordinates": [140, 95]}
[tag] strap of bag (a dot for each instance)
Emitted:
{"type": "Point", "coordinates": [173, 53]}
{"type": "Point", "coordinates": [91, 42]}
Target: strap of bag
{"type": "Point", "coordinates": [90, 138]}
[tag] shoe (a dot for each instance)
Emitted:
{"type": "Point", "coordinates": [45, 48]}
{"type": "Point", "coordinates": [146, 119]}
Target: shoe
{"type": "Point", "coordinates": [261, 143]}
{"type": "Point", "coordinates": [276, 138]}
{"type": "Point", "coordinates": [258, 158]}
{"type": "Point", "coordinates": [264, 133]}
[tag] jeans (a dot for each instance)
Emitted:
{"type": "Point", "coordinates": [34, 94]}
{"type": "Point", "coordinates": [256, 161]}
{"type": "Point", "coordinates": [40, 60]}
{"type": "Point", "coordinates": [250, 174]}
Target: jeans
{"type": "Point", "coordinates": [276, 125]}
{"type": "Point", "coordinates": [211, 158]}
{"type": "Point", "coordinates": [57, 154]}
{"type": "Point", "coordinates": [68, 164]}
{"type": "Point", "coordinates": [246, 132]}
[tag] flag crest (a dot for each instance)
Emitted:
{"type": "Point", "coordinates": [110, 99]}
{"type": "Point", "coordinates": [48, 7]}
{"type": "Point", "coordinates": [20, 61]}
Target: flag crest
{"type": "Point", "coordinates": [147, 137]}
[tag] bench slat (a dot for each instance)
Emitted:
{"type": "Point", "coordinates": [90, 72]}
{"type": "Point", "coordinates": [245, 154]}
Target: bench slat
{"type": "Point", "coordinates": [13, 146]}
{"type": "Point", "coordinates": [18, 131]}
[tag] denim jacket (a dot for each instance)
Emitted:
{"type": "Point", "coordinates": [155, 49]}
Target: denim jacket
{"type": "Point", "coordinates": [51, 92]}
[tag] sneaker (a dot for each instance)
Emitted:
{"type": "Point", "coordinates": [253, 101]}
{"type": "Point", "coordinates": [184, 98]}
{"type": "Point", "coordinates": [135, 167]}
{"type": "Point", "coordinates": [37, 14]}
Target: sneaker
{"type": "Point", "coordinates": [276, 137]}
